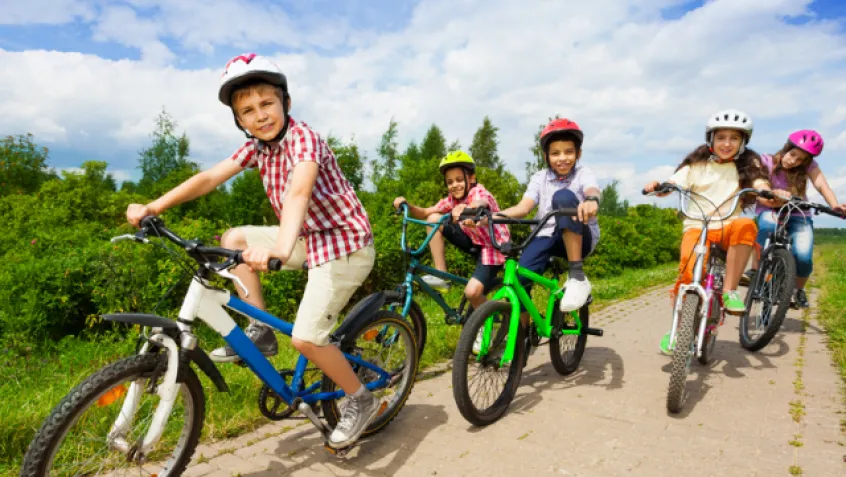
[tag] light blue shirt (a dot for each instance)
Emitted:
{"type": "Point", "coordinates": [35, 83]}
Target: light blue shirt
{"type": "Point", "coordinates": [544, 184]}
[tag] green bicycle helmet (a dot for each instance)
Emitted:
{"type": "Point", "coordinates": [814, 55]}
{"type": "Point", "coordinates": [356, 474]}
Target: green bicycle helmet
{"type": "Point", "coordinates": [457, 158]}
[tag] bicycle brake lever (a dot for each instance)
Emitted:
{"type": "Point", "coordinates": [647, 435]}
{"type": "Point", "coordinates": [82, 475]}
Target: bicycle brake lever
{"type": "Point", "coordinates": [236, 280]}
{"type": "Point", "coordinates": [133, 237]}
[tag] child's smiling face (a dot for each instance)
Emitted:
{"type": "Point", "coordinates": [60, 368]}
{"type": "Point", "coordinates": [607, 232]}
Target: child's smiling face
{"type": "Point", "coordinates": [563, 155]}
{"type": "Point", "coordinates": [726, 143]}
{"type": "Point", "coordinates": [455, 181]}
{"type": "Point", "coordinates": [259, 111]}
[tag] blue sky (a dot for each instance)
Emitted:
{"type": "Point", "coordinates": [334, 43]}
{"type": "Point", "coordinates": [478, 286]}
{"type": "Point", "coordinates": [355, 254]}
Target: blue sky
{"type": "Point", "coordinates": [91, 76]}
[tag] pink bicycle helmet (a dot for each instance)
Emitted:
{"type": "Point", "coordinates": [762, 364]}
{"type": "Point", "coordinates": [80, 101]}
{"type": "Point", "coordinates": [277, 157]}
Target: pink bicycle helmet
{"type": "Point", "coordinates": [807, 140]}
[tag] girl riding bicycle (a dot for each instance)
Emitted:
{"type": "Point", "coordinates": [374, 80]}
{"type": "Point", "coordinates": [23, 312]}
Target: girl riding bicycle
{"type": "Point", "coordinates": [715, 171]}
{"type": "Point", "coordinates": [790, 169]}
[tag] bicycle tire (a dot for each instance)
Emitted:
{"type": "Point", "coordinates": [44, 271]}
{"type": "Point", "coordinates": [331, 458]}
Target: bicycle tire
{"type": "Point", "coordinates": [682, 353]}
{"type": "Point", "coordinates": [783, 285]}
{"type": "Point", "coordinates": [44, 446]}
{"type": "Point", "coordinates": [464, 354]}
{"type": "Point", "coordinates": [564, 366]}
{"type": "Point", "coordinates": [382, 319]}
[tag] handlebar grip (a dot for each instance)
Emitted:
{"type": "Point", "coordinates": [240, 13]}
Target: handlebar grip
{"type": "Point", "coordinates": [766, 194]}
{"type": "Point", "coordinates": [274, 264]}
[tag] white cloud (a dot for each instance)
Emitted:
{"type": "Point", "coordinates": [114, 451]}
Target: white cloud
{"type": "Point", "coordinates": [16, 12]}
{"type": "Point", "coordinates": [639, 85]}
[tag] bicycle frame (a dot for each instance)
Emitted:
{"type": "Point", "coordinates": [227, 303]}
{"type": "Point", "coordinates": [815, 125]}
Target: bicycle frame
{"type": "Point", "coordinates": [209, 305]}
{"type": "Point", "coordinates": [412, 276]}
{"type": "Point", "coordinates": [704, 292]}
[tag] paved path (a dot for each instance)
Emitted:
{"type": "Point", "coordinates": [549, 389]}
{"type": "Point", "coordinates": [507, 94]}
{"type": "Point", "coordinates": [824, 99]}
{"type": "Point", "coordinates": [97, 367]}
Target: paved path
{"type": "Point", "coordinates": [607, 419]}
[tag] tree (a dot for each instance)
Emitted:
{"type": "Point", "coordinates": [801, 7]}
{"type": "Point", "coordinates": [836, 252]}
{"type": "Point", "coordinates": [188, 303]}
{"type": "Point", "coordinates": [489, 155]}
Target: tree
{"type": "Point", "coordinates": [484, 146]}
{"type": "Point", "coordinates": [167, 154]}
{"type": "Point", "coordinates": [247, 202]}
{"type": "Point", "coordinates": [610, 204]}
{"type": "Point", "coordinates": [349, 159]}
{"type": "Point", "coordinates": [434, 144]}
{"type": "Point", "coordinates": [23, 165]}
{"type": "Point", "coordinates": [539, 161]}
{"type": "Point", "coordinates": [454, 146]}
{"type": "Point", "coordinates": [388, 151]}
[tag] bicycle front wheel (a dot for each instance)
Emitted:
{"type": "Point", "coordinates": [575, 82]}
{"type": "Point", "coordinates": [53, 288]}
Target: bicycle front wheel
{"type": "Point", "coordinates": [75, 438]}
{"type": "Point", "coordinates": [682, 353]}
{"type": "Point", "coordinates": [768, 299]}
{"type": "Point", "coordinates": [482, 387]}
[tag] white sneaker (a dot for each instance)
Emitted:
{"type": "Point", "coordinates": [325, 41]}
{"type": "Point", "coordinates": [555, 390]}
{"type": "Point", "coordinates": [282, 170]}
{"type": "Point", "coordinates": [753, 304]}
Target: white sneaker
{"type": "Point", "coordinates": [436, 282]}
{"type": "Point", "coordinates": [576, 294]}
{"type": "Point", "coordinates": [477, 345]}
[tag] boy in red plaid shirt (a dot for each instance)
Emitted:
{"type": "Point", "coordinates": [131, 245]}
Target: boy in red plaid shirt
{"type": "Point", "coordinates": [322, 224]}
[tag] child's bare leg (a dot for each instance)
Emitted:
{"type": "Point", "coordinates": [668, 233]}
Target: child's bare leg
{"type": "Point", "coordinates": [331, 361]}
{"type": "Point", "coordinates": [475, 293]}
{"type": "Point", "coordinates": [436, 245]}
{"type": "Point", "coordinates": [736, 259]}
{"type": "Point", "coordinates": [573, 244]}
{"type": "Point", "coordinates": [234, 239]}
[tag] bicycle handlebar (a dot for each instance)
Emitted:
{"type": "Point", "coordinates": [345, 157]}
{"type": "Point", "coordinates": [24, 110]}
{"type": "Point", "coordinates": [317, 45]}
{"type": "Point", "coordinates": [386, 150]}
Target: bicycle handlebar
{"type": "Point", "coordinates": [802, 204]}
{"type": "Point", "coordinates": [509, 248]}
{"type": "Point", "coordinates": [666, 187]}
{"type": "Point", "coordinates": [152, 225]}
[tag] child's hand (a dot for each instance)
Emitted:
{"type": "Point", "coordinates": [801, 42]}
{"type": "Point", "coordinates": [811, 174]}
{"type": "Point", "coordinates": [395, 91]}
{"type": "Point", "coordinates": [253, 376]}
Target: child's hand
{"type": "Point", "coordinates": [456, 213]}
{"type": "Point", "coordinates": [587, 209]}
{"type": "Point", "coordinates": [650, 187]}
{"type": "Point", "coordinates": [257, 257]}
{"type": "Point", "coordinates": [136, 212]}
{"type": "Point", "coordinates": [398, 201]}
{"type": "Point", "coordinates": [840, 208]}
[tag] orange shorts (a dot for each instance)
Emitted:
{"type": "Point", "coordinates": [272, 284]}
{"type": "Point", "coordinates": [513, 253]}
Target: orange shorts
{"type": "Point", "coordinates": [741, 231]}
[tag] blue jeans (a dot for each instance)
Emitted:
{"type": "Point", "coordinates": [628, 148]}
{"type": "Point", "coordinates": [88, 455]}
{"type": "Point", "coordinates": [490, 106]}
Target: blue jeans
{"type": "Point", "coordinates": [801, 232]}
{"type": "Point", "coordinates": [536, 255]}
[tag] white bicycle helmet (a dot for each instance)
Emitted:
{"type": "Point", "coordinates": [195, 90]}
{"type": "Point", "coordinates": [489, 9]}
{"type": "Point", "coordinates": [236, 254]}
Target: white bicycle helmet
{"type": "Point", "coordinates": [246, 67]}
{"type": "Point", "coordinates": [729, 119]}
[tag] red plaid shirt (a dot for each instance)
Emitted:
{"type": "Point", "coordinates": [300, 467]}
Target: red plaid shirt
{"type": "Point", "coordinates": [479, 235]}
{"type": "Point", "coordinates": [336, 223]}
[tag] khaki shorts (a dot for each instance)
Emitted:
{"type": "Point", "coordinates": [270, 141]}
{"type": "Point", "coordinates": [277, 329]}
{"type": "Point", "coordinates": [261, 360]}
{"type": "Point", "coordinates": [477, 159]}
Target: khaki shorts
{"type": "Point", "coordinates": [329, 285]}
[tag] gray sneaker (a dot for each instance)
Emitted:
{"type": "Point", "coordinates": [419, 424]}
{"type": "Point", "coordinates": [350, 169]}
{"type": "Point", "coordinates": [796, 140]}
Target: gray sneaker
{"type": "Point", "coordinates": [436, 282]}
{"type": "Point", "coordinates": [262, 336]}
{"type": "Point", "coordinates": [357, 415]}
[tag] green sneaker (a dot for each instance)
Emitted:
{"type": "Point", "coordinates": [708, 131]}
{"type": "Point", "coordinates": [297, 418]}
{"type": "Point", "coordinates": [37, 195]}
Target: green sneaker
{"type": "Point", "coordinates": [665, 346]}
{"type": "Point", "coordinates": [732, 303]}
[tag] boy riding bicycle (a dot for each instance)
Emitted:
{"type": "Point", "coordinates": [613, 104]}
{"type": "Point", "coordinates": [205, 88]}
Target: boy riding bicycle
{"type": "Point", "coordinates": [322, 222]}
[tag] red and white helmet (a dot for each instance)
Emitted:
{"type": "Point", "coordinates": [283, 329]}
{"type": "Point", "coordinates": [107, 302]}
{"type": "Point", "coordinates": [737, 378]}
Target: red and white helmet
{"type": "Point", "coordinates": [246, 67]}
{"type": "Point", "coordinates": [557, 126]}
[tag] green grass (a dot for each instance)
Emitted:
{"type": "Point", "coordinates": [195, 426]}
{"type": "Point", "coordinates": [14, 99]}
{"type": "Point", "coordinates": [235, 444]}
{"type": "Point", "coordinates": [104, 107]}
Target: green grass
{"type": "Point", "coordinates": [830, 276]}
{"type": "Point", "coordinates": [34, 383]}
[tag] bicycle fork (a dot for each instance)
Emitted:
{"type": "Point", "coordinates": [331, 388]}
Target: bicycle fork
{"type": "Point", "coordinates": [167, 394]}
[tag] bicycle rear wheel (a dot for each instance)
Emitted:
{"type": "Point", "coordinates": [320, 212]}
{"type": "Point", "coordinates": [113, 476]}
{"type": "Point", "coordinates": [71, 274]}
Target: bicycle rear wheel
{"type": "Point", "coordinates": [75, 438]}
{"type": "Point", "coordinates": [682, 353]}
{"type": "Point", "coordinates": [482, 387]}
{"type": "Point", "coordinates": [768, 299]}
{"type": "Point", "coordinates": [566, 351]}
{"type": "Point", "coordinates": [387, 341]}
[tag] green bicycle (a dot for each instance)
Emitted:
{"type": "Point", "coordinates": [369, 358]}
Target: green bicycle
{"type": "Point", "coordinates": [485, 382]}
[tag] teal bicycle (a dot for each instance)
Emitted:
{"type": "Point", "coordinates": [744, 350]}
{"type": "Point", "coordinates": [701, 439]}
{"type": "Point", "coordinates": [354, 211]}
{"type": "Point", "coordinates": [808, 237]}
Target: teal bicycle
{"type": "Point", "coordinates": [401, 300]}
{"type": "Point", "coordinates": [485, 380]}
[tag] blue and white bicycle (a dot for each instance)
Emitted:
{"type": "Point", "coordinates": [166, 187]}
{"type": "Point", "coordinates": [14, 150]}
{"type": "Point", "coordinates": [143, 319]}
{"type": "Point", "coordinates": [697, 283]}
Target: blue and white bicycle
{"type": "Point", "coordinates": [143, 414]}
